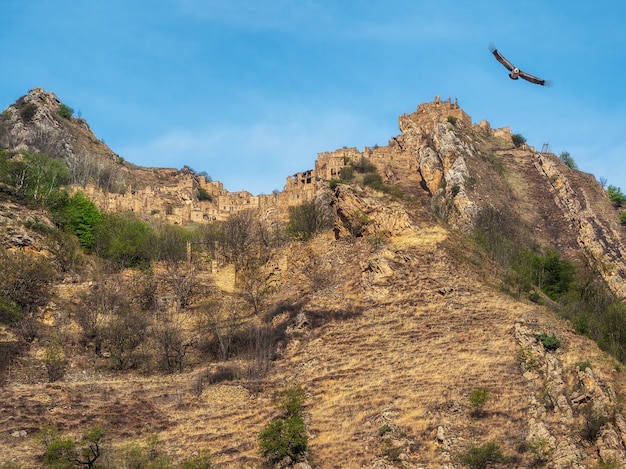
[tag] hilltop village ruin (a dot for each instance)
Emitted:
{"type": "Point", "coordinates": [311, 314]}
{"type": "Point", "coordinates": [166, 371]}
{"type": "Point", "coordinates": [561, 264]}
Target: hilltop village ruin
{"type": "Point", "coordinates": [179, 203]}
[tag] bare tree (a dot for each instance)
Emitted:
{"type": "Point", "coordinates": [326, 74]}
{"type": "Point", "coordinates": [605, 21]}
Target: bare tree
{"type": "Point", "coordinates": [222, 321]}
{"type": "Point", "coordinates": [102, 299]}
{"type": "Point", "coordinates": [253, 284]}
{"type": "Point", "coordinates": [174, 339]}
{"type": "Point", "coordinates": [124, 333]}
{"type": "Point", "coordinates": [25, 286]}
{"type": "Point", "coordinates": [183, 281]}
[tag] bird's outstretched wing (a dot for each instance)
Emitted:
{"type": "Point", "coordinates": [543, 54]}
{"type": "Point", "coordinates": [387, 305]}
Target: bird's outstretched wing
{"type": "Point", "coordinates": [534, 79]}
{"type": "Point", "coordinates": [501, 58]}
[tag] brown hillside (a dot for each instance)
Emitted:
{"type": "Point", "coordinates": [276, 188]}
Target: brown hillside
{"type": "Point", "coordinates": [390, 321]}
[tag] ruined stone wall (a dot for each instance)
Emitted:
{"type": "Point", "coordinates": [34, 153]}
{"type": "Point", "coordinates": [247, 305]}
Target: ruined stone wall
{"type": "Point", "coordinates": [173, 197]}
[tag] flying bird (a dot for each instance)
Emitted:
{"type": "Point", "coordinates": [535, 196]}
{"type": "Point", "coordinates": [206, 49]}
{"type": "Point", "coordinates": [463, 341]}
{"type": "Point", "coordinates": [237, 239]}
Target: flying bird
{"type": "Point", "coordinates": [516, 72]}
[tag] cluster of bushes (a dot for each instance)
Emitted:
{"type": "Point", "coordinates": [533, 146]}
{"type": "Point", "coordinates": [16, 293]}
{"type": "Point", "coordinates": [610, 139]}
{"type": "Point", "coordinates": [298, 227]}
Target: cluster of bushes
{"type": "Point", "coordinates": [578, 293]}
{"type": "Point", "coordinates": [92, 451]}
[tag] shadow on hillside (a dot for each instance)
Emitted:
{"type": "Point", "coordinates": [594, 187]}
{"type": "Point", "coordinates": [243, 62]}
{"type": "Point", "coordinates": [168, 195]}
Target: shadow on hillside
{"type": "Point", "coordinates": [254, 346]}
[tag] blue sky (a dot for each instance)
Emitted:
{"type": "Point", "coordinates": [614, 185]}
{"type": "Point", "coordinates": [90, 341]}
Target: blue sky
{"type": "Point", "coordinates": [250, 91]}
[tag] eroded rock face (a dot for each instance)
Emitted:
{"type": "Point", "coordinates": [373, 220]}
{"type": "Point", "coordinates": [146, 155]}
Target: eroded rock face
{"type": "Point", "coordinates": [357, 215]}
{"type": "Point", "coordinates": [556, 405]}
{"type": "Point", "coordinates": [598, 237]}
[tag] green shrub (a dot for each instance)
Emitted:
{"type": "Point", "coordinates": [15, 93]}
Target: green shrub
{"type": "Point", "coordinates": [33, 177]}
{"type": "Point", "coordinates": [65, 111]}
{"type": "Point", "coordinates": [593, 425]}
{"type": "Point", "coordinates": [622, 217]}
{"type": "Point", "coordinates": [62, 451]}
{"type": "Point", "coordinates": [386, 428]}
{"type": "Point", "coordinates": [582, 366]}
{"type": "Point", "coordinates": [54, 361]}
{"type": "Point", "coordinates": [286, 436]}
{"type": "Point", "coordinates": [346, 173]}
{"type": "Point", "coordinates": [581, 324]}
{"type": "Point", "coordinates": [10, 311]}
{"type": "Point", "coordinates": [293, 402]}
{"type": "Point", "coordinates": [375, 181]}
{"type": "Point", "coordinates": [390, 451]}
{"type": "Point", "coordinates": [616, 195]}
{"type": "Point", "coordinates": [566, 158]}
{"type": "Point", "coordinates": [77, 214]}
{"type": "Point", "coordinates": [518, 140]}
{"type": "Point", "coordinates": [540, 448]}
{"type": "Point", "coordinates": [201, 461]}
{"type": "Point", "coordinates": [480, 457]}
{"type": "Point", "coordinates": [125, 240]}
{"type": "Point", "coordinates": [478, 399]}
{"type": "Point", "coordinates": [140, 455]}
{"type": "Point", "coordinates": [333, 183]}
{"type": "Point", "coordinates": [549, 342]}
{"type": "Point", "coordinates": [204, 195]}
{"type": "Point", "coordinates": [452, 120]}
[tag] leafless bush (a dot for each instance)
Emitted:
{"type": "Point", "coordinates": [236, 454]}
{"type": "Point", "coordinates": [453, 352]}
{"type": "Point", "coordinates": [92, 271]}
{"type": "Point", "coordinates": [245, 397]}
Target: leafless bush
{"type": "Point", "coordinates": [54, 361]}
{"type": "Point", "coordinates": [173, 339]}
{"type": "Point", "coordinates": [253, 285]}
{"type": "Point", "coordinates": [183, 281]}
{"type": "Point", "coordinates": [124, 333]}
{"type": "Point", "coordinates": [221, 323]}
{"type": "Point", "coordinates": [102, 299]}
{"type": "Point", "coordinates": [105, 174]}
{"type": "Point", "coordinates": [262, 340]}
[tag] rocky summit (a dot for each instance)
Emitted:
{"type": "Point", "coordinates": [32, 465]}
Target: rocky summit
{"type": "Point", "coordinates": [452, 299]}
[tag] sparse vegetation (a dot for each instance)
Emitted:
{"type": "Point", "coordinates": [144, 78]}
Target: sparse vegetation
{"type": "Point", "coordinates": [365, 172]}
{"type": "Point", "coordinates": [190, 327]}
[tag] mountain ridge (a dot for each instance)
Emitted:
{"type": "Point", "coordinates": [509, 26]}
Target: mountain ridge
{"type": "Point", "coordinates": [389, 318]}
